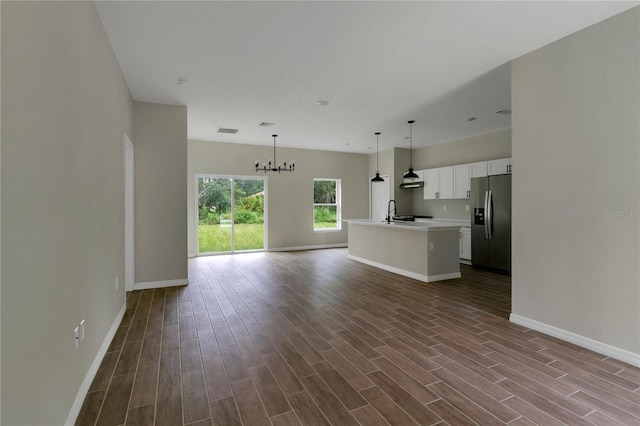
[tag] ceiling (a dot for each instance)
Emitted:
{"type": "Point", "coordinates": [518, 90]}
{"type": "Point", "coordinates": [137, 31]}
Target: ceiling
{"type": "Point", "coordinates": [378, 64]}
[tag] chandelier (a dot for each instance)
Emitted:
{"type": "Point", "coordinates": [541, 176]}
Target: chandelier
{"type": "Point", "coordinates": [275, 166]}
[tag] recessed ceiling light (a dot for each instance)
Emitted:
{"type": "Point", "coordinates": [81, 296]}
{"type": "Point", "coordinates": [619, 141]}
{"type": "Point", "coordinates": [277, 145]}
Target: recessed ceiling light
{"type": "Point", "coordinates": [266, 124]}
{"type": "Point", "coordinates": [184, 81]}
{"type": "Point", "coordinates": [503, 111]}
{"type": "Point", "coordinates": [322, 103]}
{"type": "Point", "coordinates": [470, 119]}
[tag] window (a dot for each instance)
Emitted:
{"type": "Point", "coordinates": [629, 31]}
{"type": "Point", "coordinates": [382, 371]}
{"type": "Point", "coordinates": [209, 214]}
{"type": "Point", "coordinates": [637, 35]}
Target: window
{"type": "Point", "coordinates": [326, 205]}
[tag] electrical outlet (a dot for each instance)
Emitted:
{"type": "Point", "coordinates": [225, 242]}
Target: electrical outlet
{"type": "Point", "coordinates": [466, 207]}
{"type": "Point", "coordinates": [430, 246]}
{"type": "Point", "coordinates": [81, 330]}
{"type": "Point", "coordinates": [76, 337]}
{"type": "Point", "coordinates": [116, 283]}
{"type": "Point", "coordinates": [444, 207]}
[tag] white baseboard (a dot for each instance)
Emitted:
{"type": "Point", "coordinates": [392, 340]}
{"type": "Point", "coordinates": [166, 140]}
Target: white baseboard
{"type": "Point", "coordinates": [465, 262]}
{"type": "Point", "coordinates": [93, 369]}
{"type": "Point", "coordinates": [582, 341]}
{"type": "Point", "coordinates": [160, 284]}
{"type": "Point", "coordinates": [404, 272]}
{"type": "Point", "coordinates": [316, 247]}
{"type": "Point", "coordinates": [190, 255]}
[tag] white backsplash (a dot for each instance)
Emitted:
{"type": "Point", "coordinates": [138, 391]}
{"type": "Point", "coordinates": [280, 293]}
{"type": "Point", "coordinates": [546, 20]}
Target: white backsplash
{"type": "Point", "coordinates": [455, 209]}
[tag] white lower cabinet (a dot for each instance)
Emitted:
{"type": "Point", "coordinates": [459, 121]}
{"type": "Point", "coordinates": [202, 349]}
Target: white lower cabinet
{"type": "Point", "coordinates": [465, 243]}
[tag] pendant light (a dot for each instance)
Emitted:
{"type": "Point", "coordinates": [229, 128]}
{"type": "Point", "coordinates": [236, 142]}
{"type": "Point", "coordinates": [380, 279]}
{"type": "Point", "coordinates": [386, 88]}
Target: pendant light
{"type": "Point", "coordinates": [275, 166]}
{"type": "Point", "coordinates": [410, 174]}
{"type": "Point", "coordinates": [377, 178]}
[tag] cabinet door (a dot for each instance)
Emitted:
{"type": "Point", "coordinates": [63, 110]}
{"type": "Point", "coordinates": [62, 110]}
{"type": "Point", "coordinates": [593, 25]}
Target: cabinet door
{"type": "Point", "coordinates": [499, 167]}
{"type": "Point", "coordinates": [462, 181]}
{"type": "Point", "coordinates": [431, 184]}
{"type": "Point", "coordinates": [478, 169]}
{"type": "Point", "coordinates": [446, 183]}
{"type": "Point", "coordinates": [465, 244]}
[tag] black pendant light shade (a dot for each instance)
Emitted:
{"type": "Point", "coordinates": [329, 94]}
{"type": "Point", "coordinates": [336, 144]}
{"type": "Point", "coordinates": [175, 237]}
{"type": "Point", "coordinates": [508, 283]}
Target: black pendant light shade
{"type": "Point", "coordinates": [410, 174]}
{"type": "Point", "coordinates": [377, 178]}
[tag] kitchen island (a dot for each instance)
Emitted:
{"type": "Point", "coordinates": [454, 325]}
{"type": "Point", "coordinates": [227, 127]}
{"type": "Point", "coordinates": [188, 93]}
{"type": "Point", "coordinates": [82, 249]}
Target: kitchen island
{"type": "Point", "coordinates": [424, 251]}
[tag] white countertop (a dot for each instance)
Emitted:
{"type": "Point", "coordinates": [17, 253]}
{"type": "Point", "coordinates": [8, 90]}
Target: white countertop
{"type": "Point", "coordinates": [461, 222]}
{"type": "Point", "coordinates": [429, 225]}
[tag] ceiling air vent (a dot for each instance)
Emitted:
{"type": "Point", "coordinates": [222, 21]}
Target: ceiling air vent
{"type": "Point", "coordinates": [230, 131]}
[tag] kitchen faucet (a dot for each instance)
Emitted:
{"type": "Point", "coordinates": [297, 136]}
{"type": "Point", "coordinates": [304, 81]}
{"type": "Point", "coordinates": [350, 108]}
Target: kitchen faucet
{"type": "Point", "coordinates": [395, 210]}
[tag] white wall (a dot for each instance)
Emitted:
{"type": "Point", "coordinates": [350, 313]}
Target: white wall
{"type": "Point", "coordinates": [290, 195]}
{"type": "Point", "coordinates": [160, 139]}
{"type": "Point", "coordinates": [65, 109]}
{"type": "Point", "coordinates": [576, 224]}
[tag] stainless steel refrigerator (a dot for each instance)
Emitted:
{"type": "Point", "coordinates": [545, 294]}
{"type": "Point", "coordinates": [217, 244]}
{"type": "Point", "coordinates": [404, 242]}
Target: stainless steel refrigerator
{"type": "Point", "coordinates": [491, 222]}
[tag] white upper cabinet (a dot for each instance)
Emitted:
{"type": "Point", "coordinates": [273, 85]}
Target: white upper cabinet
{"type": "Point", "coordinates": [446, 183]}
{"type": "Point", "coordinates": [431, 184]}
{"type": "Point", "coordinates": [438, 183]}
{"type": "Point", "coordinates": [462, 181]}
{"type": "Point", "coordinates": [454, 182]}
{"type": "Point", "coordinates": [478, 169]}
{"type": "Point", "coordinates": [499, 167]}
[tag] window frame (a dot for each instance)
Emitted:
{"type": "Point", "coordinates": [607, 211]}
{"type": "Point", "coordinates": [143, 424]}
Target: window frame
{"type": "Point", "coordinates": [337, 205]}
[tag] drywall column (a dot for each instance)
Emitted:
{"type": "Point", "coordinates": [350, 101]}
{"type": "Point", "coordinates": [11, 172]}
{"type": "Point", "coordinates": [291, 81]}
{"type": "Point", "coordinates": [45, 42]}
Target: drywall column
{"type": "Point", "coordinates": [576, 210]}
{"type": "Point", "coordinates": [65, 109]}
{"type": "Point", "coordinates": [160, 140]}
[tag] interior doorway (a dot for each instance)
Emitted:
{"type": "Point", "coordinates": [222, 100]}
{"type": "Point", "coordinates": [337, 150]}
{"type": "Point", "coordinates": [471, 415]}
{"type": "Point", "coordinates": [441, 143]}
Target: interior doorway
{"type": "Point", "coordinates": [129, 218]}
{"type": "Point", "coordinates": [230, 214]}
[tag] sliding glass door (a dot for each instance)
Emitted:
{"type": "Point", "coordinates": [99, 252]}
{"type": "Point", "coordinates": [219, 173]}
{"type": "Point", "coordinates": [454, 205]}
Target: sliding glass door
{"type": "Point", "coordinates": [230, 214]}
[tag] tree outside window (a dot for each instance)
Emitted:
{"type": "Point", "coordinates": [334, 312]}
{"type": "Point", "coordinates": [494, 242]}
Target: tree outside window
{"type": "Point", "coordinates": [326, 204]}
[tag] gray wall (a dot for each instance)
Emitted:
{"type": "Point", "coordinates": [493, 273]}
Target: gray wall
{"type": "Point", "coordinates": [160, 139]}
{"type": "Point", "coordinates": [290, 196]}
{"type": "Point", "coordinates": [65, 110]}
{"type": "Point", "coordinates": [576, 226]}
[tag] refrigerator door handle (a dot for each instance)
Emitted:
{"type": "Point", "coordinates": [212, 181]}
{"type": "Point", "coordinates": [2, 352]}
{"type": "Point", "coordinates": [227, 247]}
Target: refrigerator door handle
{"type": "Point", "coordinates": [489, 221]}
{"type": "Point", "coordinates": [486, 217]}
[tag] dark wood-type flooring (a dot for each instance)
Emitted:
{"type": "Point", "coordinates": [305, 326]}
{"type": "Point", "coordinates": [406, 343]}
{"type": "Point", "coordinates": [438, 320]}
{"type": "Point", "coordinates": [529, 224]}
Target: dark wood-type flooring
{"type": "Point", "coordinates": [313, 338]}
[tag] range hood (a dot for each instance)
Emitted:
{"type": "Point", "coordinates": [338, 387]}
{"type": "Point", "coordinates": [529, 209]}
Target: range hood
{"type": "Point", "coordinates": [411, 185]}
{"type": "Point", "coordinates": [413, 182]}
